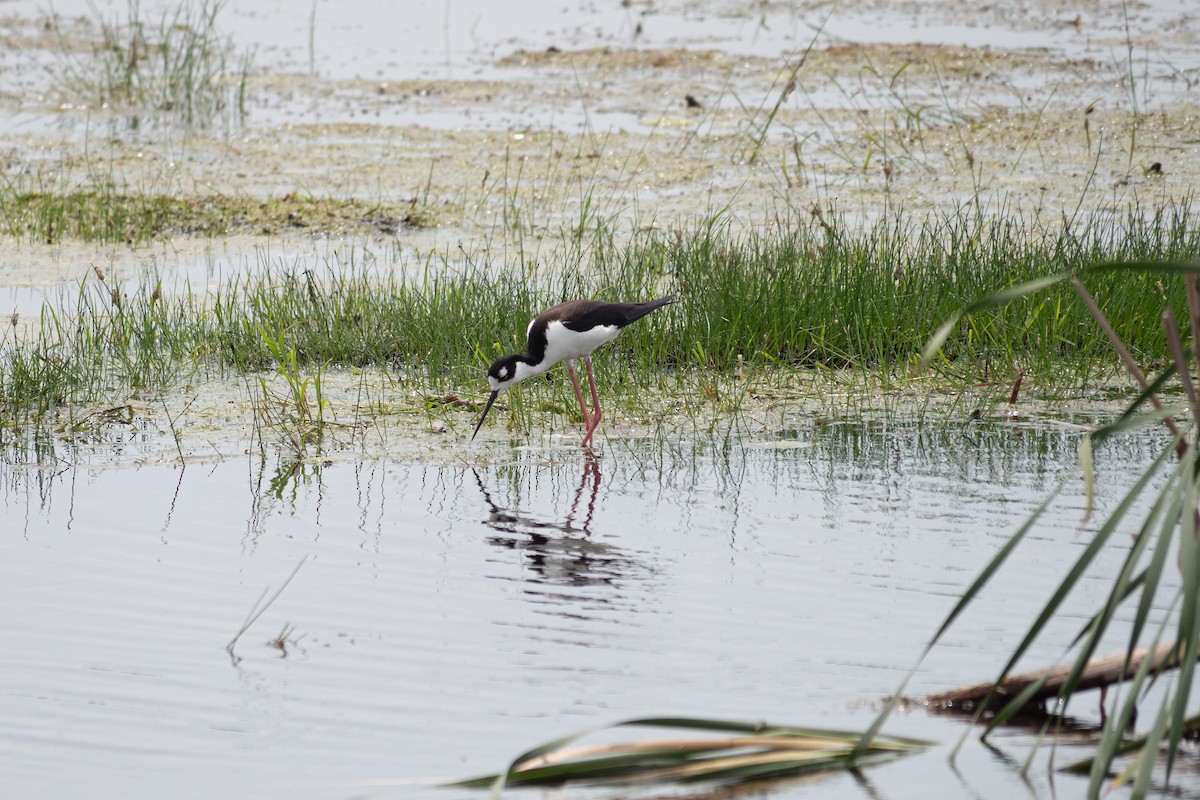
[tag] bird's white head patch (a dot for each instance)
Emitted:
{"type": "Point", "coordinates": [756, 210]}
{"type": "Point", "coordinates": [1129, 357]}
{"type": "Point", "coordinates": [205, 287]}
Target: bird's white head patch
{"type": "Point", "coordinates": [503, 373]}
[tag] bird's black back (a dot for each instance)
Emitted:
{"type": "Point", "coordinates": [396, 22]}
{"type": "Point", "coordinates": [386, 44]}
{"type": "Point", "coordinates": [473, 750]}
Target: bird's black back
{"type": "Point", "coordinates": [583, 315]}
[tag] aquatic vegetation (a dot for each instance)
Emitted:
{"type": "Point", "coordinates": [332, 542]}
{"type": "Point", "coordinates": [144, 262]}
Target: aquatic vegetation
{"type": "Point", "coordinates": [1142, 585]}
{"type": "Point", "coordinates": [182, 69]}
{"type": "Point", "coordinates": [297, 412]}
{"type": "Point", "coordinates": [747, 752]}
{"type": "Point", "coordinates": [97, 209]}
{"type": "Point", "coordinates": [753, 309]}
{"type": "Point", "coordinates": [287, 634]}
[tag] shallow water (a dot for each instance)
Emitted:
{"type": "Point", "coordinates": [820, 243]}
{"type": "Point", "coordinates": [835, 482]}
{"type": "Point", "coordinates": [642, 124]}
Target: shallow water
{"type": "Point", "coordinates": [384, 45]}
{"type": "Point", "coordinates": [447, 616]}
{"type": "Point", "coordinates": [453, 39]}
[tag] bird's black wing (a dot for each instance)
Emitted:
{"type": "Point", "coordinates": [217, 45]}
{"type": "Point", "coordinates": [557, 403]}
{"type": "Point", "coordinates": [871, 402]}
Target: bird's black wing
{"type": "Point", "coordinates": [592, 314]}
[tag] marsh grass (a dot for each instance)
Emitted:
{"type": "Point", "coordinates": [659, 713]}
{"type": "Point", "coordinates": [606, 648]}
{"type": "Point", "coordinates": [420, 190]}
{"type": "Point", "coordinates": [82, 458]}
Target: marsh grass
{"type": "Point", "coordinates": [1159, 509]}
{"type": "Point", "coordinates": [753, 311]}
{"type": "Point", "coordinates": [96, 208]}
{"type": "Point", "coordinates": [180, 67]}
{"type": "Point", "coordinates": [820, 295]}
{"type": "Point", "coordinates": [297, 411]}
{"type": "Point", "coordinates": [729, 754]}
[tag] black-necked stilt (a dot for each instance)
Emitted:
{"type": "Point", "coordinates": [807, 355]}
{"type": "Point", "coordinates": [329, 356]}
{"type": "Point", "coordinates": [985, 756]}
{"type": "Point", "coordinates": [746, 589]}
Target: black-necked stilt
{"type": "Point", "coordinates": [566, 332]}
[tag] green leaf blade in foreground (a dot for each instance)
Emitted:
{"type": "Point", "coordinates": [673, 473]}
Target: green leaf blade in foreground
{"type": "Point", "coordinates": [1189, 624]}
{"type": "Point", "coordinates": [1127, 579]}
{"type": "Point", "coordinates": [968, 596]}
{"type": "Point", "coordinates": [1073, 576]}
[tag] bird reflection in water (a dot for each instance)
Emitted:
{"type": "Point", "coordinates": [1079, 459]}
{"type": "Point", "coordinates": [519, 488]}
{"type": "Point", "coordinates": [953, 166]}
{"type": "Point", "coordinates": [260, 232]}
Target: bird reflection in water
{"type": "Point", "coordinates": [561, 552]}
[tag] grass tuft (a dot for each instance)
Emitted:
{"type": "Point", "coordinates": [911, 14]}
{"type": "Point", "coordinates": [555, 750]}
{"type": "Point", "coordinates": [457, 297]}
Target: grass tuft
{"type": "Point", "coordinates": [180, 69]}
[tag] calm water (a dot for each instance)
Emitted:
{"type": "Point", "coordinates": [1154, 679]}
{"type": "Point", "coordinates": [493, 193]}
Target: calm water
{"type": "Point", "coordinates": [462, 39]}
{"type": "Point", "coordinates": [447, 616]}
{"type": "Point", "coordinates": [466, 40]}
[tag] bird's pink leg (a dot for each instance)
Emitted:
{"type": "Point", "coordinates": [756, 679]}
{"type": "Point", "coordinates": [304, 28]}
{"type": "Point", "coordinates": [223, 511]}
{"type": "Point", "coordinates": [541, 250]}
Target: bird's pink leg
{"type": "Point", "coordinates": [578, 394]}
{"type": "Point", "coordinates": [597, 414]}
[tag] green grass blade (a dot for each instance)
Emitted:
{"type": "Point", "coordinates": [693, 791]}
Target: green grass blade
{"type": "Point", "coordinates": [1132, 422]}
{"type": "Point", "coordinates": [1072, 577]}
{"type": "Point", "coordinates": [1153, 574]}
{"type": "Point", "coordinates": [1112, 738]}
{"type": "Point", "coordinates": [1144, 768]}
{"type": "Point", "coordinates": [1122, 586]}
{"type": "Point", "coordinates": [1033, 286]}
{"type": "Point", "coordinates": [1014, 706]}
{"type": "Point", "coordinates": [965, 600]}
{"type": "Point", "coordinates": [1189, 618]}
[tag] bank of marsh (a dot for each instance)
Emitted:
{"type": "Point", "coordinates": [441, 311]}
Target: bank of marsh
{"type": "Point", "coordinates": [807, 293]}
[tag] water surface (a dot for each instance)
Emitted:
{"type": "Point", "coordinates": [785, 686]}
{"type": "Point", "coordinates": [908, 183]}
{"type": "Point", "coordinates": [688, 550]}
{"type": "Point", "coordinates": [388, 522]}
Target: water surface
{"type": "Point", "coordinates": [447, 616]}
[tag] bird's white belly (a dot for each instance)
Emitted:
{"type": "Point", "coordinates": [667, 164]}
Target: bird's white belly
{"type": "Point", "coordinates": [562, 343]}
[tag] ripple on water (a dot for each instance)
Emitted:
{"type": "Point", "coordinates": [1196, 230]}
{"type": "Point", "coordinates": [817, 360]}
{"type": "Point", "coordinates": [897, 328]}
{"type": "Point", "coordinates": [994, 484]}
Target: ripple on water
{"type": "Point", "coordinates": [448, 616]}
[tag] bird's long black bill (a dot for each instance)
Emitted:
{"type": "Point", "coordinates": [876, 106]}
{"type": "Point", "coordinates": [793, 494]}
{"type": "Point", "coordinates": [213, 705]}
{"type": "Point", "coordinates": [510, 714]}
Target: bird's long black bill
{"type": "Point", "coordinates": [486, 409]}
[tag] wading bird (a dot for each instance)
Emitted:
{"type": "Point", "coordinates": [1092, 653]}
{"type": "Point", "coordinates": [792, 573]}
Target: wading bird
{"type": "Point", "coordinates": [566, 332]}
